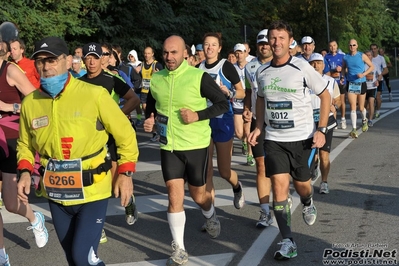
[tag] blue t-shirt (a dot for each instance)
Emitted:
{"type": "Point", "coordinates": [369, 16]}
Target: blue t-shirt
{"type": "Point", "coordinates": [355, 65]}
{"type": "Point", "coordinates": [82, 72]}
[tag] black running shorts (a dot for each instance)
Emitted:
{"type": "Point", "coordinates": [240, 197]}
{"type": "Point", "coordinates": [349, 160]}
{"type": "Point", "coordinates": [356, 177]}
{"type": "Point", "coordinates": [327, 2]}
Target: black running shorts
{"type": "Point", "coordinates": [258, 150]}
{"type": "Point", "coordinates": [191, 165]}
{"type": "Point", "coordinates": [289, 157]}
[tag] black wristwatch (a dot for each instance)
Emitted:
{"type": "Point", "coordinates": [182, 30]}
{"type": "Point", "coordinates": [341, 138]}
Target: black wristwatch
{"type": "Point", "coordinates": [20, 172]}
{"type": "Point", "coordinates": [128, 173]}
{"type": "Point", "coordinates": [323, 130]}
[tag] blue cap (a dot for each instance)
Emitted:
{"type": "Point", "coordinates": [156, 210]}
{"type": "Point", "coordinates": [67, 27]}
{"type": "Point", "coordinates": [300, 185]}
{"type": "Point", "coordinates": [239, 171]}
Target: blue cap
{"type": "Point", "coordinates": [199, 47]}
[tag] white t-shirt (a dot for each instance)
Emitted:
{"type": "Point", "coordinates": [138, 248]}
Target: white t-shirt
{"type": "Point", "coordinates": [217, 74]}
{"type": "Point", "coordinates": [372, 77]}
{"type": "Point", "coordinates": [379, 63]}
{"type": "Point", "coordinates": [333, 89]}
{"type": "Point", "coordinates": [239, 104]}
{"type": "Point", "coordinates": [250, 82]}
{"type": "Point", "coordinates": [288, 104]}
{"type": "Point", "coordinates": [250, 58]}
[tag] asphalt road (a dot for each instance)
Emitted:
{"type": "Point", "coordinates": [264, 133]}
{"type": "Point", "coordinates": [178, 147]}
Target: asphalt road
{"type": "Point", "coordinates": [361, 209]}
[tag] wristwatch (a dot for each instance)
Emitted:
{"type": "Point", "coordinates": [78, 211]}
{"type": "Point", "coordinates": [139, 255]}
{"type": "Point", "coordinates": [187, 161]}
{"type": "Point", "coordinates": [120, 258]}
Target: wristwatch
{"type": "Point", "coordinates": [323, 130]}
{"type": "Point", "coordinates": [15, 107]}
{"type": "Point", "coordinates": [21, 171]}
{"type": "Point", "coordinates": [128, 173]}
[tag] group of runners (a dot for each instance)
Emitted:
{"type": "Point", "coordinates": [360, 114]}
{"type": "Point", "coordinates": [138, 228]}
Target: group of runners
{"type": "Point", "coordinates": [281, 105]}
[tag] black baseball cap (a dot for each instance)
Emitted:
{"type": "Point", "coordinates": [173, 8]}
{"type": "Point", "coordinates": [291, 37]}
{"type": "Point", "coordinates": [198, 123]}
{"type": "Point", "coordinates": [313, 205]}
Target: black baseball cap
{"type": "Point", "coordinates": [92, 48]}
{"type": "Point", "coordinates": [52, 45]}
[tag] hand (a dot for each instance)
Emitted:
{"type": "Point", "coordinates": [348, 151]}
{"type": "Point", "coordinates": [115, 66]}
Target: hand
{"type": "Point", "coordinates": [247, 116]}
{"type": "Point", "coordinates": [23, 187]}
{"type": "Point", "coordinates": [224, 89]}
{"type": "Point", "coordinates": [123, 189]}
{"type": "Point", "coordinates": [149, 123]}
{"type": "Point", "coordinates": [360, 75]}
{"type": "Point", "coordinates": [253, 136]}
{"type": "Point", "coordinates": [188, 116]}
{"type": "Point", "coordinates": [319, 139]}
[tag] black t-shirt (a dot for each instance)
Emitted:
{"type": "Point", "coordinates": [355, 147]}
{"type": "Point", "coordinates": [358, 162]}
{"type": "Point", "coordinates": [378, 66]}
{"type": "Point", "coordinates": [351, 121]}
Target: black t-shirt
{"type": "Point", "coordinates": [109, 82]}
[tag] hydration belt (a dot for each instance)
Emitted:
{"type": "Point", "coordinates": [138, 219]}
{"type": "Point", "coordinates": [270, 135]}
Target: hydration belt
{"type": "Point", "coordinates": [87, 175]}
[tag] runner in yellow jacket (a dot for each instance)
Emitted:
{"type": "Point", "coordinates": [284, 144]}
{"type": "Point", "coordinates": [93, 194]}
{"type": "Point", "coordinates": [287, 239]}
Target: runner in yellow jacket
{"type": "Point", "coordinates": [67, 122]}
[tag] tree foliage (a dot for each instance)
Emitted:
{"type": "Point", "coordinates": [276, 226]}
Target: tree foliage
{"type": "Point", "coordinates": [141, 23]}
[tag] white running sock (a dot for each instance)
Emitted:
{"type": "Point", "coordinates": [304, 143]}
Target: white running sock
{"type": "Point", "coordinates": [353, 119]}
{"type": "Point", "coordinates": [265, 207]}
{"type": "Point", "coordinates": [177, 222]}
{"type": "Point", "coordinates": [364, 114]}
{"type": "Point", "coordinates": [208, 214]}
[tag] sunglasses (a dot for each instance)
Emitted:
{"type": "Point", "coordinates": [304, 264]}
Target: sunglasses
{"type": "Point", "coordinates": [260, 37]}
{"type": "Point", "coordinates": [352, 45]}
{"type": "Point", "coordinates": [52, 61]}
{"type": "Point", "coordinates": [106, 54]}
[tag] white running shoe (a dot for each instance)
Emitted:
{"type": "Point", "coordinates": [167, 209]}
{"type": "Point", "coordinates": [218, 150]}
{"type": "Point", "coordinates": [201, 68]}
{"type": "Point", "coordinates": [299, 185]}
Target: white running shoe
{"type": "Point", "coordinates": [213, 226]}
{"type": "Point", "coordinates": [239, 199]}
{"type": "Point", "coordinates": [39, 230]}
{"type": "Point", "coordinates": [5, 261]}
{"type": "Point", "coordinates": [179, 256]}
{"type": "Point", "coordinates": [287, 250]}
{"type": "Point", "coordinates": [309, 213]}
{"type": "Point", "coordinates": [324, 188]}
{"type": "Point", "coordinates": [264, 220]}
{"type": "Point", "coordinates": [131, 213]}
{"type": "Point", "coordinates": [343, 123]}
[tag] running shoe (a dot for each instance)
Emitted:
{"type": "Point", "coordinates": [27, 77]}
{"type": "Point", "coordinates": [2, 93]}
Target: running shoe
{"type": "Point", "coordinates": [287, 250]}
{"type": "Point", "coordinates": [264, 220]}
{"type": "Point", "coordinates": [131, 212]}
{"type": "Point", "coordinates": [179, 256]}
{"type": "Point", "coordinates": [390, 97]}
{"type": "Point", "coordinates": [250, 160]}
{"type": "Point", "coordinates": [353, 134]}
{"type": "Point", "coordinates": [155, 138]}
{"type": "Point", "coordinates": [365, 127]}
{"type": "Point", "coordinates": [309, 213]}
{"type": "Point", "coordinates": [213, 226]}
{"type": "Point", "coordinates": [103, 238]}
{"type": "Point", "coordinates": [239, 199]}
{"type": "Point", "coordinates": [370, 123]}
{"type": "Point", "coordinates": [377, 115]}
{"type": "Point", "coordinates": [244, 148]}
{"type": "Point", "coordinates": [39, 230]}
{"type": "Point", "coordinates": [5, 261]}
{"type": "Point", "coordinates": [343, 123]}
{"type": "Point", "coordinates": [324, 188]}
